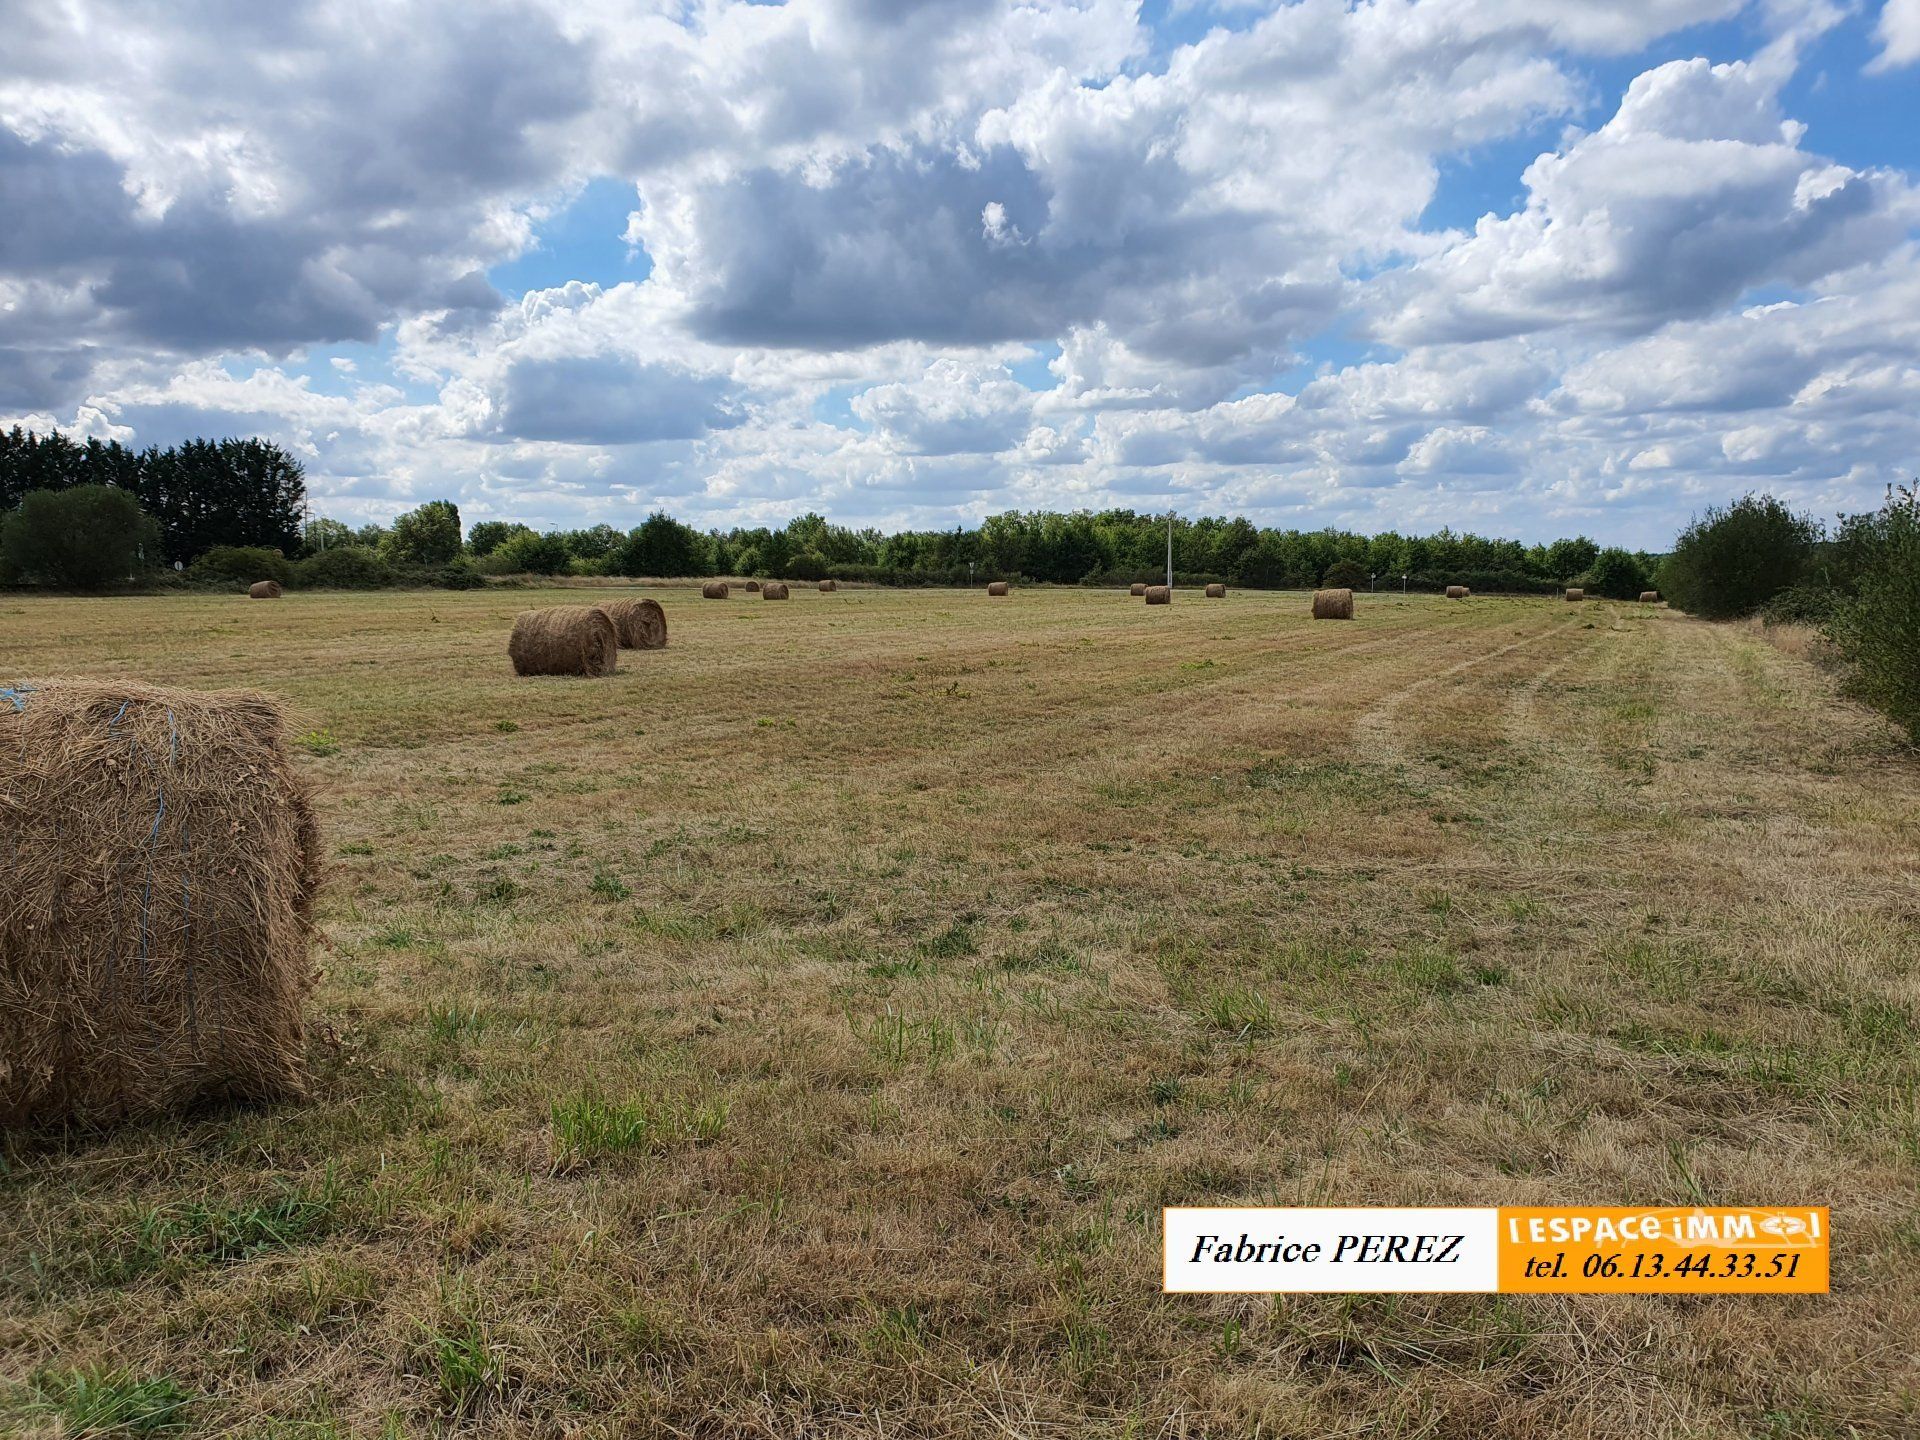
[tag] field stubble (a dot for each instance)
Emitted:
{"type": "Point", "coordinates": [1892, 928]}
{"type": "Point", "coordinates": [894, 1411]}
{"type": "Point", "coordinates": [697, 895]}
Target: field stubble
{"type": "Point", "coordinates": [798, 1032]}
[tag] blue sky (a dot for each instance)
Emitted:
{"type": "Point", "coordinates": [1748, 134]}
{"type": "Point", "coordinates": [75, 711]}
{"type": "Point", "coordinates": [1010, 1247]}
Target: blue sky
{"type": "Point", "coordinates": [1393, 263]}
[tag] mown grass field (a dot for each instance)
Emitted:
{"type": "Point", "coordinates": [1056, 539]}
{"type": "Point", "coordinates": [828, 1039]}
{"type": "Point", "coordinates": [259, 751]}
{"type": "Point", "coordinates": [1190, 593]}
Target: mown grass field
{"type": "Point", "coordinates": [798, 1033]}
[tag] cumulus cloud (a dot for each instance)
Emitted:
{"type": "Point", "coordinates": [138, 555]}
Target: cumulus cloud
{"type": "Point", "coordinates": [1899, 35]}
{"type": "Point", "coordinates": [1694, 192]}
{"type": "Point", "coordinates": [865, 224]}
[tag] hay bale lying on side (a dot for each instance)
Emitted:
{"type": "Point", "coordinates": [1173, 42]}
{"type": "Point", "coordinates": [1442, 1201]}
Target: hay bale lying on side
{"type": "Point", "coordinates": [265, 590]}
{"type": "Point", "coordinates": [1575, 593]}
{"type": "Point", "coordinates": [1333, 604]}
{"type": "Point", "coordinates": [753, 587]}
{"type": "Point", "coordinates": [1649, 597]}
{"type": "Point", "coordinates": [997, 587]}
{"type": "Point", "coordinates": [1457, 592]}
{"type": "Point", "coordinates": [565, 640]}
{"type": "Point", "coordinates": [717, 590]}
{"type": "Point", "coordinates": [637, 624]}
{"type": "Point", "coordinates": [1216, 592]}
{"type": "Point", "coordinates": [773, 590]}
{"type": "Point", "coordinates": [1138, 589]}
{"type": "Point", "coordinates": [1159, 595]}
{"type": "Point", "coordinates": [158, 864]}
{"type": "Point", "coordinates": [827, 587]}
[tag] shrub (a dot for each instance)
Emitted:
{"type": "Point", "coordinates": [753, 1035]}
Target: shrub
{"type": "Point", "coordinates": [1879, 629]}
{"type": "Point", "coordinates": [351, 567]}
{"type": "Point", "coordinates": [459, 574]}
{"type": "Point", "coordinates": [1731, 562]}
{"type": "Point", "coordinates": [242, 565]}
{"type": "Point", "coordinates": [86, 538]}
{"type": "Point", "coordinates": [537, 554]}
{"type": "Point", "coordinates": [1801, 605]}
{"type": "Point", "coordinates": [1617, 574]}
{"type": "Point", "coordinates": [1345, 575]}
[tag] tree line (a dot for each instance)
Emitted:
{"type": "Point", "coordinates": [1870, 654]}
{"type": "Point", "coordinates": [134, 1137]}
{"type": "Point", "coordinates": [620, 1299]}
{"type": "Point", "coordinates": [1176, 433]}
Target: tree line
{"type": "Point", "coordinates": [95, 515]}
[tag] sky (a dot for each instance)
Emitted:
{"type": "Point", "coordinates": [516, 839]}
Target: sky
{"type": "Point", "coordinates": [1523, 268]}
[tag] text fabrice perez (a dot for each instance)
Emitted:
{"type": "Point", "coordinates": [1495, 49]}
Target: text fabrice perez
{"type": "Point", "coordinates": [1250, 1250]}
{"type": "Point", "coordinates": [1348, 1250]}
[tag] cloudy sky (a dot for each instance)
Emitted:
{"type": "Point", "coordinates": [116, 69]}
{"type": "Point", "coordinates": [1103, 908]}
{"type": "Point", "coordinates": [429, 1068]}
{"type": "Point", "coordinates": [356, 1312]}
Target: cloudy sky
{"type": "Point", "coordinates": [1515, 266]}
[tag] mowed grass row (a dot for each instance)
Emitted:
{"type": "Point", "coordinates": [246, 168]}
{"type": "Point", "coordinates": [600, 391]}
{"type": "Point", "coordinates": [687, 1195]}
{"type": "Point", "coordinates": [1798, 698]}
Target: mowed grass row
{"type": "Point", "coordinates": [799, 1031]}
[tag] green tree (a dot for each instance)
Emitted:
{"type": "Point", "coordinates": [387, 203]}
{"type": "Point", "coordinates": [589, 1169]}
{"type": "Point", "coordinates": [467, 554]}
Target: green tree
{"type": "Point", "coordinates": [486, 536]}
{"type": "Point", "coordinates": [88, 537]}
{"type": "Point", "coordinates": [660, 546]}
{"type": "Point", "coordinates": [324, 534]}
{"type": "Point", "coordinates": [427, 536]}
{"type": "Point", "coordinates": [1618, 574]}
{"type": "Point", "coordinates": [1568, 558]}
{"type": "Point", "coordinates": [535, 554]}
{"type": "Point", "coordinates": [1731, 561]}
{"type": "Point", "coordinates": [1878, 630]}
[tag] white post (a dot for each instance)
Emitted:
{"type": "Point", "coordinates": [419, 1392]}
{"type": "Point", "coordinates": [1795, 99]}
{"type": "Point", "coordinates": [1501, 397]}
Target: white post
{"type": "Point", "coordinates": [1169, 552]}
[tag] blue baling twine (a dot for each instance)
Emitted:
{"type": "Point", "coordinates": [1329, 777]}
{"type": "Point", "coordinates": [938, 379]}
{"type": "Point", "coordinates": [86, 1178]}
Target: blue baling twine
{"type": "Point", "coordinates": [18, 695]}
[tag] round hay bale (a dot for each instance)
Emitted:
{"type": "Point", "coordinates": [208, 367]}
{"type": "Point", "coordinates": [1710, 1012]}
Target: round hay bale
{"type": "Point", "coordinates": [1216, 592]}
{"type": "Point", "coordinates": [265, 590]}
{"type": "Point", "coordinates": [1457, 592]}
{"type": "Point", "coordinates": [773, 590]}
{"type": "Point", "coordinates": [638, 624]}
{"type": "Point", "coordinates": [997, 587]}
{"type": "Point", "coordinates": [717, 590]}
{"type": "Point", "coordinates": [1649, 597]}
{"type": "Point", "coordinates": [1138, 589]}
{"type": "Point", "coordinates": [1575, 593]}
{"type": "Point", "coordinates": [753, 587]}
{"type": "Point", "coordinates": [1333, 604]}
{"type": "Point", "coordinates": [1159, 595]}
{"type": "Point", "coordinates": [565, 640]}
{"type": "Point", "coordinates": [827, 587]}
{"type": "Point", "coordinates": [157, 872]}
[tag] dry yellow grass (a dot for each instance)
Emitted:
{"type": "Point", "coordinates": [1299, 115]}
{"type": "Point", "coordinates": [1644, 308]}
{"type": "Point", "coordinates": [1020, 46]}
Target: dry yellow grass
{"type": "Point", "coordinates": [647, 1116]}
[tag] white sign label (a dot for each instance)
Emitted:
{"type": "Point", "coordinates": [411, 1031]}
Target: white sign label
{"type": "Point", "coordinates": [1259, 1251]}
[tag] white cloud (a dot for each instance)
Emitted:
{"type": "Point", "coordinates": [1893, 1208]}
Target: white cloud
{"type": "Point", "coordinates": [1899, 34]}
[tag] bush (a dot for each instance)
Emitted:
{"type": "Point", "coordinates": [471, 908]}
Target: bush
{"type": "Point", "coordinates": [459, 574]}
{"type": "Point", "coordinates": [1801, 605]}
{"type": "Point", "coordinates": [241, 565]}
{"type": "Point", "coordinates": [351, 567]}
{"type": "Point", "coordinates": [89, 537]}
{"type": "Point", "coordinates": [1617, 574]}
{"type": "Point", "coordinates": [535, 554]}
{"type": "Point", "coordinates": [1345, 575]}
{"type": "Point", "coordinates": [1731, 562]}
{"type": "Point", "coordinates": [1879, 629]}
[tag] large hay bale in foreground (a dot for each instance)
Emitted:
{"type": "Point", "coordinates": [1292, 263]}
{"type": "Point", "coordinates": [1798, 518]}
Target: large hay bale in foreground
{"type": "Point", "coordinates": [265, 590]}
{"type": "Point", "coordinates": [1649, 597]}
{"type": "Point", "coordinates": [717, 589]}
{"type": "Point", "coordinates": [1457, 592]}
{"type": "Point", "coordinates": [1575, 593]}
{"type": "Point", "coordinates": [1216, 592]}
{"type": "Point", "coordinates": [565, 640]}
{"type": "Point", "coordinates": [637, 624]}
{"type": "Point", "coordinates": [1138, 589]}
{"type": "Point", "coordinates": [158, 861]}
{"type": "Point", "coordinates": [753, 587]}
{"type": "Point", "coordinates": [1333, 604]}
{"type": "Point", "coordinates": [996, 587]}
{"type": "Point", "coordinates": [827, 587]}
{"type": "Point", "coordinates": [1159, 595]}
{"type": "Point", "coordinates": [773, 590]}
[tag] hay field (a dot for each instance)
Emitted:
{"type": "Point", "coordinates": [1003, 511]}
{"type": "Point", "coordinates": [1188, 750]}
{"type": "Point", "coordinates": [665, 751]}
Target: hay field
{"type": "Point", "coordinates": [798, 1033]}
